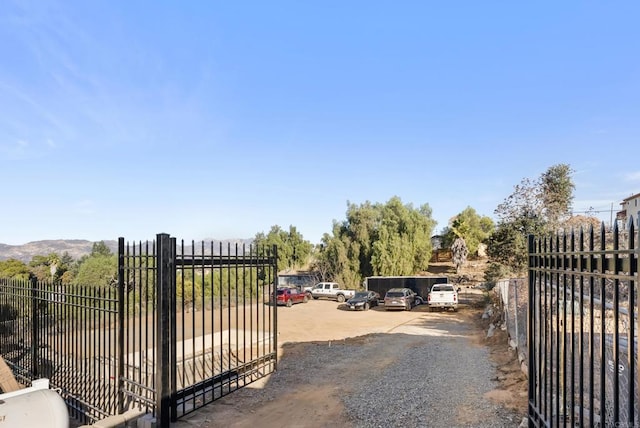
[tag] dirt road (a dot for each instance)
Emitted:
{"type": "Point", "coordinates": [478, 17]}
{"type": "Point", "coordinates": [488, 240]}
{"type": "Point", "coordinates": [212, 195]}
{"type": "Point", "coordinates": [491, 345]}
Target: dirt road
{"type": "Point", "coordinates": [302, 394]}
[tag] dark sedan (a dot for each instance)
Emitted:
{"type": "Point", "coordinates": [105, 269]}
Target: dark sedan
{"type": "Point", "coordinates": [363, 300]}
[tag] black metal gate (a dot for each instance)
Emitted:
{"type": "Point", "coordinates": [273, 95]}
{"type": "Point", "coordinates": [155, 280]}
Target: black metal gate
{"type": "Point", "coordinates": [181, 327]}
{"type": "Point", "coordinates": [582, 332]}
{"type": "Point", "coordinates": [197, 322]}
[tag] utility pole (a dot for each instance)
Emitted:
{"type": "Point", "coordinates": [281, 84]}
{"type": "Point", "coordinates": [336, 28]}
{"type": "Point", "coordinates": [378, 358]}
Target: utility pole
{"type": "Point", "coordinates": [611, 218]}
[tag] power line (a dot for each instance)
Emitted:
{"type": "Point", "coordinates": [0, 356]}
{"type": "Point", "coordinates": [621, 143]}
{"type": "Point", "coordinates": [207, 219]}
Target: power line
{"type": "Point", "coordinates": [591, 212]}
{"type": "Point", "coordinates": [594, 210]}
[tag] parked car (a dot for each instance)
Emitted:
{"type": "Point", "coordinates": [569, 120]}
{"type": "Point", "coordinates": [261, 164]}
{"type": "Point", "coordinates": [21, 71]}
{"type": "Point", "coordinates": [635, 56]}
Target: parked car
{"type": "Point", "coordinates": [443, 296]}
{"type": "Point", "coordinates": [363, 300]}
{"type": "Point", "coordinates": [331, 290]}
{"type": "Point", "coordinates": [289, 295]}
{"type": "Point", "coordinates": [400, 298]}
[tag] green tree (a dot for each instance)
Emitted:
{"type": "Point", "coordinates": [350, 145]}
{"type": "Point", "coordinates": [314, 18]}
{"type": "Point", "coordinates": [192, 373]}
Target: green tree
{"type": "Point", "coordinates": [470, 226]}
{"type": "Point", "coordinates": [340, 256]}
{"type": "Point", "coordinates": [13, 268]}
{"type": "Point", "coordinates": [92, 274]}
{"type": "Point", "coordinates": [535, 207]}
{"type": "Point", "coordinates": [293, 250]}
{"type": "Point", "coordinates": [39, 260]}
{"type": "Point", "coordinates": [64, 272]}
{"type": "Point", "coordinates": [97, 270]}
{"type": "Point", "coordinates": [403, 244]}
{"type": "Point", "coordinates": [524, 203]}
{"type": "Point", "coordinates": [100, 249]}
{"type": "Point", "coordinates": [508, 247]}
{"type": "Point", "coordinates": [39, 266]}
{"type": "Point", "coordinates": [52, 267]}
{"type": "Point", "coordinates": [557, 194]}
{"type": "Point", "coordinates": [377, 239]}
{"type": "Point", "coordinates": [494, 273]}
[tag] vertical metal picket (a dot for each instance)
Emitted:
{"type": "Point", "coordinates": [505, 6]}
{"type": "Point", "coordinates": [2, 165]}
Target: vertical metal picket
{"type": "Point", "coordinates": [120, 373]}
{"type": "Point", "coordinates": [165, 271]}
{"type": "Point", "coordinates": [35, 327]}
{"type": "Point", "coordinates": [591, 320]}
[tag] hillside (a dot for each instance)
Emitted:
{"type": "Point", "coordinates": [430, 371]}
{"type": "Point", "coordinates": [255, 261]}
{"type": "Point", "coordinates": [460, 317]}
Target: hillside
{"type": "Point", "coordinates": [77, 248]}
{"type": "Point", "coordinates": [471, 274]}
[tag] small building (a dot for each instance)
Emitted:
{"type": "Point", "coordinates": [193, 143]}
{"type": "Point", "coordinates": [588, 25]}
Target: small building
{"type": "Point", "coordinates": [630, 208]}
{"type": "Point", "coordinates": [298, 279]}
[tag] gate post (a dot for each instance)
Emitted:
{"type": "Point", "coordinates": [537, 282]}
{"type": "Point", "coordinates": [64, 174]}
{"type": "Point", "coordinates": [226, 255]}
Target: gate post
{"type": "Point", "coordinates": [173, 344]}
{"type": "Point", "coordinates": [164, 281]}
{"type": "Point", "coordinates": [34, 326]}
{"type": "Point", "coordinates": [120, 350]}
{"type": "Point", "coordinates": [531, 344]}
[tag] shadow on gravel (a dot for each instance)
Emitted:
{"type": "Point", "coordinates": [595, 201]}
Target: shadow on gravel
{"type": "Point", "coordinates": [381, 308]}
{"type": "Point", "coordinates": [345, 307]}
{"type": "Point", "coordinates": [474, 298]}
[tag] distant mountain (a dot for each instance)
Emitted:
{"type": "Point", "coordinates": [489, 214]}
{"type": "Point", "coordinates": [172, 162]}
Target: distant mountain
{"type": "Point", "coordinates": [77, 248]}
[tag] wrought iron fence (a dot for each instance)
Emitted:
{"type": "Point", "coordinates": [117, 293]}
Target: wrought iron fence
{"type": "Point", "coordinates": [182, 326]}
{"type": "Point", "coordinates": [66, 334]}
{"type": "Point", "coordinates": [582, 330]}
{"type": "Point", "coordinates": [222, 324]}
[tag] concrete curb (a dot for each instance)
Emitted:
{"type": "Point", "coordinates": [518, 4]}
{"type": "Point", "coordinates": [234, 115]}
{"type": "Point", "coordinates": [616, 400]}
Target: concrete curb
{"type": "Point", "coordinates": [130, 418]}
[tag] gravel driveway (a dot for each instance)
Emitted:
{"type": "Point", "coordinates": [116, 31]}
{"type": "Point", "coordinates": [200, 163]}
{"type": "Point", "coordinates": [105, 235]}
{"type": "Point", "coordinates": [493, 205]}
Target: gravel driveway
{"type": "Point", "coordinates": [370, 369]}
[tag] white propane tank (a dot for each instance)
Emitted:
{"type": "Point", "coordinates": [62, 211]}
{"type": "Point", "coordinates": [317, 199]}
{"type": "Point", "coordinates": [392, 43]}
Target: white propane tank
{"type": "Point", "coordinates": [41, 408]}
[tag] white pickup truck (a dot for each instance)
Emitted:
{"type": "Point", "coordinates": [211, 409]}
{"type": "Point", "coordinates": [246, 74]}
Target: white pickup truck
{"type": "Point", "coordinates": [443, 296]}
{"type": "Point", "coordinates": [331, 290]}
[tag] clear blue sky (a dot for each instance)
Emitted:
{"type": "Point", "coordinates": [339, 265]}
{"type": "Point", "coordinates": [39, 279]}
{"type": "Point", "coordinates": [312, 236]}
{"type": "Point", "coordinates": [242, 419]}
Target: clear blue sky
{"type": "Point", "coordinates": [220, 119]}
